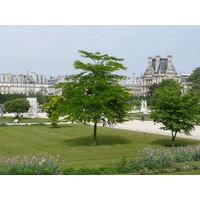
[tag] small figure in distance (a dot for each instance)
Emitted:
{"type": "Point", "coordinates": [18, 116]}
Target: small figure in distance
{"type": "Point", "coordinates": [109, 123]}
{"type": "Point", "coordinates": [142, 117]}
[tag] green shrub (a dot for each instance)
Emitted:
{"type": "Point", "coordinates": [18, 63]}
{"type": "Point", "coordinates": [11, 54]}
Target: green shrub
{"type": "Point", "coordinates": [69, 171]}
{"type": "Point", "coordinates": [147, 159]}
{"type": "Point", "coordinates": [164, 158]}
{"type": "Point", "coordinates": [123, 169]}
{"type": "Point", "coordinates": [184, 157]}
{"type": "Point", "coordinates": [87, 171]}
{"type": "Point", "coordinates": [167, 165]}
{"type": "Point", "coordinates": [196, 156]}
{"type": "Point", "coordinates": [122, 166]}
{"type": "Point", "coordinates": [38, 124]}
{"type": "Point", "coordinates": [46, 172]}
{"type": "Point", "coordinates": [135, 167]}
{"type": "Point", "coordinates": [152, 166]}
{"type": "Point", "coordinates": [107, 170]}
{"type": "Point", "coordinates": [2, 123]}
{"type": "Point", "coordinates": [123, 162]}
{"type": "Point", "coordinates": [28, 172]}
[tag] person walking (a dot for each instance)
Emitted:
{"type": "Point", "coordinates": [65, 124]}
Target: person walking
{"type": "Point", "coordinates": [142, 116]}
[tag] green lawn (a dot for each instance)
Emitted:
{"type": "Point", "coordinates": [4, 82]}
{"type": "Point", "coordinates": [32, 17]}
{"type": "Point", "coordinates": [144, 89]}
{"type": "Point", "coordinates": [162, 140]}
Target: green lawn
{"type": "Point", "coordinates": [74, 143]}
{"type": "Point", "coordinates": [195, 172]}
{"type": "Point", "coordinates": [137, 116]}
{"type": "Point", "coordinates": [23, 119]}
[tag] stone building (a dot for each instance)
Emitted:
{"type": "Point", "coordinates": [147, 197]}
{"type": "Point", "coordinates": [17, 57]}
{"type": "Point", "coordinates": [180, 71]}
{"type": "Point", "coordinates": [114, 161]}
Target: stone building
{"type": "Point", "coordinates": [160, 69]}
{"type": "Point", "coordinates": [132, 83]}
{"type": "Point", "coordinates": [25, 84]}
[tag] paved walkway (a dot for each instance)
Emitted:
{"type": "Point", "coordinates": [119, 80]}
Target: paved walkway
{"type": "Point", "coordinates": [149, 127]}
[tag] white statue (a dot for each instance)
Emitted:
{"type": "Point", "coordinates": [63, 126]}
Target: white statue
{"type": "Point", "coordinates": [144, 106]}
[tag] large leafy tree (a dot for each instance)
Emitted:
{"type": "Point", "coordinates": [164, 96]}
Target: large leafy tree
{"type": "Point", "coordinates": [176, 111]}
{"type": "Point", "coordinates": [95, 93]}
{"type": "Point", "coordinates": [17, 106]}
{"type": "Point", "coordinates": [155, 86]}
{"type": "Point", "coordinates": [54, 109]}
{"type": "Point", "coordinates": [194, 81]}
{"type": "Point", "coordinates": [9, 97]}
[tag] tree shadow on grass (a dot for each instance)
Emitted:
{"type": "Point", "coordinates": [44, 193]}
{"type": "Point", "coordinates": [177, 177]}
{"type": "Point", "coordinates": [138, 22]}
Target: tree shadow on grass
{"type": "Point", "coordinates": [61, 126]}
{"type": "Point", "coordinates": [178, 142]}
{"type": "Point", "coordinates": [101, 140]}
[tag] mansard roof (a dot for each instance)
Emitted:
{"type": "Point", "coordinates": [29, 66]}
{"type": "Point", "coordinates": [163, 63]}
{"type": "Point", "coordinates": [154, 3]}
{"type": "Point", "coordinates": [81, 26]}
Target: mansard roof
{"type": "Point", "coordinates": [160, 66]}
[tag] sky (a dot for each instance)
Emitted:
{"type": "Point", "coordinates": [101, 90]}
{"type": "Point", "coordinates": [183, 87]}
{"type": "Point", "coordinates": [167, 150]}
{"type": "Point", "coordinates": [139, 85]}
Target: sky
{"type": "Point", "coordinates": [51, 50]}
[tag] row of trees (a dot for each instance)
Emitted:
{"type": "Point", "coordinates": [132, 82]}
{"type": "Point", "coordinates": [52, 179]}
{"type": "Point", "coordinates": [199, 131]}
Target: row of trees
{"type": "Point", "coordinates": [41, 99]}
{"type": "Point", "coordinates": [95, 94]}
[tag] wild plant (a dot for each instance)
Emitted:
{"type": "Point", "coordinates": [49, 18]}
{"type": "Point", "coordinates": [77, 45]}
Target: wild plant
{"type": "Point", "coordinates": [184, 154]}
{"type": "Point", "coordinates": [148, 156]}
{"type": "Point", "coordinates": [36, 164]}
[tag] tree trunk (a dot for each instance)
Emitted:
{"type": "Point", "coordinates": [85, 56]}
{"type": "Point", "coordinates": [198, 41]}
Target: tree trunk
{"type": "Point", "coordinates": [173, 138]}
{"type": "Point", "coordinates": [95, 133]}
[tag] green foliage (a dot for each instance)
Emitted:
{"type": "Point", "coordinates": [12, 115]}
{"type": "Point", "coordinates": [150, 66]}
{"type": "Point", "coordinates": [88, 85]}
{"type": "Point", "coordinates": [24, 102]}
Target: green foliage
{"type": "Point", "coordinates": [171, 109]}
{"type": "Point", "coordinates": [38, 124]}
{"type": "Point", "coordinates": [17, 106]}
{"type": "Point", "coordinates": [162, 158]}
{"type": "Point", "coordinates": [103, 170]}
{"type": "Point", "coordinates": [196, 156]}
{"type": "Point", "coordinates": [3, 123]}
{"type": "Point", "coordinates": [30, 169]}
{"type": "Point", "coordinates": [184, 157]}
{"type": "Point", "coordinates": [136, 103]}
{"type": "Point", "coordinates": [107, 170]}
{"type": "Point", "coordinates": [69, 171]}
{"type": "Point", "coordinates": [41, 166]}
{"type": "Point", "coordinates": [54, 109]}
{"type": "Point", "coordinates": [41, 99]}
{"type": "Point", "coordinates": [46, 172]}
{"type": "Point", "coordinates": [152, 88]}
{"type": "Point", "coordinates": [147, 159]}
{"type": "Point", "coordinates": [135, 167]}
{"type": "Point", "coordinates": [95, 92]}
{"type": "Point", "coordinates": [87, 171]}
{"type": "Point", "coordinates": [194, 81]}
{"type": "Point", "coordinates": [10, 97]}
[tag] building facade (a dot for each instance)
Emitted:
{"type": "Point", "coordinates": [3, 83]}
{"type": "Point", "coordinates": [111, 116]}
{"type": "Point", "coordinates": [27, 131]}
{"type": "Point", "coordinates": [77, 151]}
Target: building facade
{"type": "Point", "coordinates": [24, 84]}
{"type": "Point", "coordinates": [160, 69]}
{"type": "Point", "coordinates": [132, 83]}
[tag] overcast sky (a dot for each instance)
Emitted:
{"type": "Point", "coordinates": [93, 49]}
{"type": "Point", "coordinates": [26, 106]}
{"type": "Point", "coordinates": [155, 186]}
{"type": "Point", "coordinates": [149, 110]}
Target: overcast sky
{"type": "Point", "coordinates": [52, 49]}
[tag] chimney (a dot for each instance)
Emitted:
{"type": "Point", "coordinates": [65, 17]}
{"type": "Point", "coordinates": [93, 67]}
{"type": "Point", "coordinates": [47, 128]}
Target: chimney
{"type": "Point", "coordinates": [149, 62]}
{"type": "Point", "coordinates": [157, 63]}
{"type": "Point", "coordinates": [169, 62]}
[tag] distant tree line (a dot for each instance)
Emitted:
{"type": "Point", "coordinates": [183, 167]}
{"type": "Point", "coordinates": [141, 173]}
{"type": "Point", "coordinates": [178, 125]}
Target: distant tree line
{"type": "Point", "coordinates": [41, 99]}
